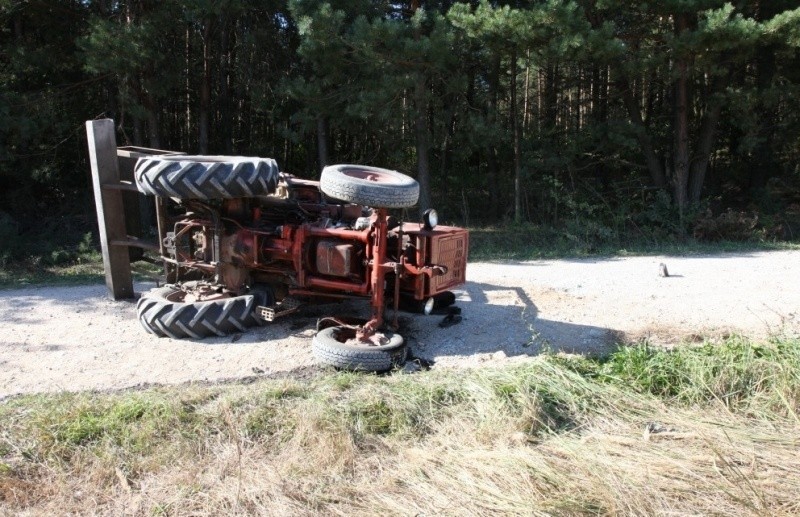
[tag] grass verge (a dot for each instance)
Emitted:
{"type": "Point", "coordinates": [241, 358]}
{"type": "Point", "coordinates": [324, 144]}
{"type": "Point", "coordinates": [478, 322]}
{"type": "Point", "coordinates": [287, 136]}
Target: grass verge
{"type": "Point", "coordinates": [59, 252]}
{"type": "Point", "coordinates": [644, 431]}
{"type": "Point", "coordinates": [531, 242]}
{"type": "Point", "coordinates": [30, 274]}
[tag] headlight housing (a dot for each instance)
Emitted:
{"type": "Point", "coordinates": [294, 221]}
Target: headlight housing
{"type": "Point", "coordinates": [430, 219]}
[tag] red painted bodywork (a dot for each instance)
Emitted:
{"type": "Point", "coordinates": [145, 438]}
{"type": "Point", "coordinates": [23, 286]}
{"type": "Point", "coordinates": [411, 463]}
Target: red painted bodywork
{"type": "Point", "coordinates": [323, 255]}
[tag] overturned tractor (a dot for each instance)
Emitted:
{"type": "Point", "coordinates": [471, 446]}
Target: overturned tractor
{"type": "Point", "coordinates": [244, 244]}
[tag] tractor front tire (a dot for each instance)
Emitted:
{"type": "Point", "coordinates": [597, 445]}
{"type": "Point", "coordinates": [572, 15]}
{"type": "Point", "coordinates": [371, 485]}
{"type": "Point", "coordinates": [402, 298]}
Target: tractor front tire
{"type": "Point", "coordinates": [163, 312]}
{"type": "Point", "coordinates": [330, 350]}
{"type": "Point", "coordinates": [205, 177]}
{"type": "Point", "coordinates": [369, 186]}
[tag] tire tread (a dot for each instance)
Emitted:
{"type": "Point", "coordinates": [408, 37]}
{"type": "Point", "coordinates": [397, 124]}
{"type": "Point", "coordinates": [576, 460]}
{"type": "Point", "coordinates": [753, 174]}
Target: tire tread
{"type": "Point", "coordinates": [193, 178]}
{"type": "Point", "coordinates": [332, 353]}
{"type": "Point", "coordinates": [179, 320]}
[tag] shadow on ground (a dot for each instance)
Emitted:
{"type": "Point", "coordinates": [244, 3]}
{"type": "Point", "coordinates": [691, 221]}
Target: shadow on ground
{"type": "Point", "coordinates": [500, 322]}
{"type": "Point", "coordinates": [497, 322]}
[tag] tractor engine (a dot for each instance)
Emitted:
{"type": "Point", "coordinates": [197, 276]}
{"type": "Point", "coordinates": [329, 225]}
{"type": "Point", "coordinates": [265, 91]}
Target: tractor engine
{"type": "Point", "coordinates": [292, 237]}
{"type": "Point", "coordinates": [296, 241]}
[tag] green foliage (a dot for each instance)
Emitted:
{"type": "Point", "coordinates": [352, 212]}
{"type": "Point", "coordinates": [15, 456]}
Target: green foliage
{"type": "Point", "coordinates": [9, 236]}
{"type": "Point", "coordinates": [737, 373]}
{"type": "Point", "coordinates": [263, 419]}
{"type": "Point", "coordinates": [594, 91]}
{"type": "Point", "coordinates": [57, 241]}
{"type": "Point", "coordinates": [137, 424]}
{"type": "Point", "coordinates": [730, 226]}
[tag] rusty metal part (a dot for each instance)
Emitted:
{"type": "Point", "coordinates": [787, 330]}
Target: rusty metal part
{"type": "Point", "coordinates": [351, 332]}
{"type": "Point", "coordinates": [335, 258]}
{"type": "Point", "coordinates": [312, 248]}
{"type": "Point", "coordinates": [436, 259]}
{"type": "Point", "coordinates": [375, 338]}
{"type": "Point", "coordinates": [347, 322]}
{"type": "Point", "coordinates": [429, 271]}
{"type": "Point", "coordinates": [378, 276]}
{"type": "Point", "coordinates": [323, 294]}
{"type": "Point", "coordinates": [233, 277]}
{"type": "Point", "coordinates": [283, 308]}
{"type": "Point", "coordinates": [398, 274]}
{"type": "Point", "coordinates": [192, 292]}
{"type": "Point", "coordinates": [449, 249]}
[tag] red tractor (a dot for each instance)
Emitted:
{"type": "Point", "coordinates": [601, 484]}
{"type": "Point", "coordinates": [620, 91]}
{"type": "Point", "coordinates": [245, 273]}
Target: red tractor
{"type": "Point", "coordinates": [243, 244]}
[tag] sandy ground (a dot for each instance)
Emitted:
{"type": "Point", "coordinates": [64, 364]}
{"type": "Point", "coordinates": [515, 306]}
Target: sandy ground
{"type": "Point", "coordinates": [76, 338]}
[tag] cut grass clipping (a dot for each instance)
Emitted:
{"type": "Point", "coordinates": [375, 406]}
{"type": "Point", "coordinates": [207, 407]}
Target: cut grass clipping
{"type": "Point", "coordinates": [699, 430]}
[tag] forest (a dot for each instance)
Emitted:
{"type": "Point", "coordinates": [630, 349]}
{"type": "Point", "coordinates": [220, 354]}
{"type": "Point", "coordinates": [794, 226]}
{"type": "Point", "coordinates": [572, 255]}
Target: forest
{"type": "Point", "coordinates": [603, 119]}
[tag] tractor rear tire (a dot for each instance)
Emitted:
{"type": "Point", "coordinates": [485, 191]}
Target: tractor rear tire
{"type": "Point", "coordinates": [369, 186]}
{"type": "Point", "coordinates": [206, 177]}
{"type": "Point", "coordinates": [329, 350]}
{"type": "Point", "coordinates": [162, 312]}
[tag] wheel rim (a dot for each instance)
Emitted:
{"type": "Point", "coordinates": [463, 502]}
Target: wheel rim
{"type": "Point", "coordinates": [176, 296]}
{"type": "Point", "coordinates": [372, 175]}
{"type": "Point", "coordinates": [348, 336]}
{"type": "Point", "coordinates": [343, 334]}
{"type": "Point", "coordinates": [195, 295]}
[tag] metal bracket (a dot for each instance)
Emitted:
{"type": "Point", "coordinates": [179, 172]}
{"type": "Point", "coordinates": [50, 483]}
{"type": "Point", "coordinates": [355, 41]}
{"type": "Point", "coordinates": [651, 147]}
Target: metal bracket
{"type": "Point", "coordinates": [117, 204]}
{"type": "Point", "coordinates": [285, 307]}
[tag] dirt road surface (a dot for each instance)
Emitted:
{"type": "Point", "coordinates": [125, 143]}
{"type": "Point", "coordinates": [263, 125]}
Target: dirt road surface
{"type": "Point", "coordinates": [76, 338]}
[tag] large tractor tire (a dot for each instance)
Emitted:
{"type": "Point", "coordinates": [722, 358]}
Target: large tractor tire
{"type": "Point", "coordinates": [206, 177]}
{"type": "Point", "coordinates": [369, 186]}
{"type": "Point", "coordinates": [163, 312]}
{"type": "Point", "coordinates": [331, 348]}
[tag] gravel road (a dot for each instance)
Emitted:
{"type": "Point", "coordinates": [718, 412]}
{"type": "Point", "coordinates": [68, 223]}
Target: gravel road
{"type": "Point", "coordinates": [76, 338]}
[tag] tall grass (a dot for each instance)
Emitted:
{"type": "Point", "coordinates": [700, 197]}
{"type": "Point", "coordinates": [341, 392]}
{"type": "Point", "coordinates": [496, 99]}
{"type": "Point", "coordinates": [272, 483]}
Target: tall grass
{"type": "Point", "coordinates": [645, 431]}
{"type": "Point", "coordinates": [738, 374]}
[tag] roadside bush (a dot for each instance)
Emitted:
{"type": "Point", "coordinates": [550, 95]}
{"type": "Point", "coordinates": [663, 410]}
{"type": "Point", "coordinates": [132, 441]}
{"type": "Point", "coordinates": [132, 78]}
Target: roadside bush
{"type": "Point", "coordinates": [54, 241]}
{"type": "Point", "coordinates": [9, 238]}
{"type": "Point", "coordinates": [728, 226]}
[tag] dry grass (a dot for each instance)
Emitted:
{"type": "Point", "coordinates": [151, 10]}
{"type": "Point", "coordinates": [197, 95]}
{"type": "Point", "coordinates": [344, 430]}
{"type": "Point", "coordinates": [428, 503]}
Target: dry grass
{"type": "Point", "coordinates": [553, 437]}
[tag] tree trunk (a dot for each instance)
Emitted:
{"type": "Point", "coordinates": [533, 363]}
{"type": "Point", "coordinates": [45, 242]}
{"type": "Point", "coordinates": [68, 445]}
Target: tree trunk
{"type": "Point", "coordinates": [550, 100]}
{"type": "Point", "coordinates": [598, 116]}
{"type": "Point", "coordinates": [138, 139]}
{"type": "Point", "coordinates": [515, 136]}
{"type": "Point", "coordinates": [654, 165]}
{"type": "Point", "coordinates": [491, 152]}
{"type": "Point", "coordinates": [322, 141]}
{"type": "Point", "coordinates": [187, 130]}
{"type": "Point", "coordinates": [18, 30]}
{"type": "Point", "coordinates": [152, 128]}
{"type": "Point", "coordinates": [707, 137]}
{"type": "Point", "coordinates": [448, 115]}
{"type": "Point", "coordinates": [525, 104]}
{"type": "Point", "coordinates": [151, 111]}
{"type": "Point", "coordinates": [762, 162]}
{"type": "Point", "coordinates": [205, 92]}
{"type": "Point", "coordinates": [422, 142]}
{"type": "Point", "coordinates": [681, 107]}
{"type": "Point", "coordinates": [224, 101]}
